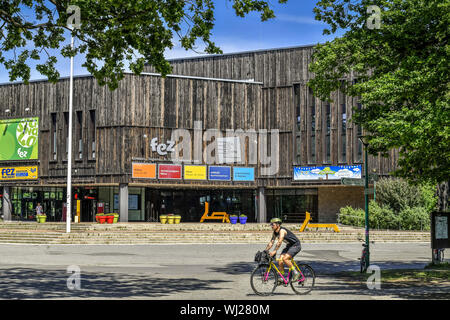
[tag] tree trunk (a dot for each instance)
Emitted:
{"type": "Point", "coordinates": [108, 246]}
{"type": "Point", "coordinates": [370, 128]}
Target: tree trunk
{"type": "Point", "coordinates": [443, 190]}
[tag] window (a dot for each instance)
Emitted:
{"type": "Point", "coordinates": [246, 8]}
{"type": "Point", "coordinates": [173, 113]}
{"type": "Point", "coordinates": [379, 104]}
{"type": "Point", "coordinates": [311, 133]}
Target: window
{"type": "Point", "coordinates": [54, 141]}
{"type": "Point", "coordinates": [92, 133]}
{"type": "Point", "coordinates": [343, 132]}
{"type": "Point", "coordinates": [297, 129]}
{"type": "Point", "coordinates": [313, 129]}
{"type": "Point", "coordinates": [359, 148]}
{"type": "Point", "coordinates": [327, 134]}
{"type": "Point", "coordinates": [80, 134]}
{"type": "Point", "coordinates": [66, 132]}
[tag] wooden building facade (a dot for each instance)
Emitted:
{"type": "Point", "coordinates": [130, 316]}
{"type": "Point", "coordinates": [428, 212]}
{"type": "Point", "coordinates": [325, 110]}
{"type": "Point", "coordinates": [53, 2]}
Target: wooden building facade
{"type": "Point", "coordinates": [262, 95]}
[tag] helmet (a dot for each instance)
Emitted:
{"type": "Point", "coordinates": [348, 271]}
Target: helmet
{"type": "Point", "coordinates": [275, 220]}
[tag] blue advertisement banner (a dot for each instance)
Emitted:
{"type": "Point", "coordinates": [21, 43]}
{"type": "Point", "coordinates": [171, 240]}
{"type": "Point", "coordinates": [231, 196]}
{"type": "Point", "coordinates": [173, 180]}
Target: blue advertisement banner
{"type": "Point", "coordinates": [221, 173]}
{"type": "Point", "coordinates": [243, 174]}
{"type": "Point", "coordinates": [327, 172]}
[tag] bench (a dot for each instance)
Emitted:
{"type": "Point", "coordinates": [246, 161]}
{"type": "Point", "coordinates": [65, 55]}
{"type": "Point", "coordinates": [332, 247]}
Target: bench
{"type": "Point", "coordinates": [215, 215]}
{"type": "Point", "coordinates": [317, 225]}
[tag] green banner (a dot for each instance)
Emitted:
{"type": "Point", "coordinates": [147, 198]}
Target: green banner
{"type": "Point", "coordinates": [19, 139]}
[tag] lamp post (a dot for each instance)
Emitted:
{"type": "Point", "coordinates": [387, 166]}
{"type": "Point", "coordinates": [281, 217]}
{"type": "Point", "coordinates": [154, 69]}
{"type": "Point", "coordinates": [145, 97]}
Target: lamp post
{"type": "Point", "coordinates": [73, 23]}
{"type": "Point", "coordinates": [363, 140]}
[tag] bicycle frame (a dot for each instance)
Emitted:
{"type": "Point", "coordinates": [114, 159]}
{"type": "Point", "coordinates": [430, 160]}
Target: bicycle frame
{"type": "Point", "coordinates": [285, 280]}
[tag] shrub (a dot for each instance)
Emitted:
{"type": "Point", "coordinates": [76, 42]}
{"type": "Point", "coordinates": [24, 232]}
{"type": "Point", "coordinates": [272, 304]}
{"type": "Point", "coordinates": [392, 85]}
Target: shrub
{"type": "Point", "coordinates": [398, 194]}
{"type": "Point", "coordinates": [352, 217]}
{"type": "Point", "coordinates": [415, 219]}
{"type": "Point", "coordinates": [382, 217]}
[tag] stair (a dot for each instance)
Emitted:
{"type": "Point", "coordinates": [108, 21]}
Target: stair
{"type": "Point", "coordinates": [150, 233]}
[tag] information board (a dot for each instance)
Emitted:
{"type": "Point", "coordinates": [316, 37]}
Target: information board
{"type": "Point", "coordinates": [440, 230]}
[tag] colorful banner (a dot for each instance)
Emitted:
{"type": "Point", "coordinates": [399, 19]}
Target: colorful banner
{"type": "Point", "coordinates": [219, 173]}
{"type": "Point", "coordinates": [327, 172]}
{"type": "Point", "coordinates": [243, 174]}
{"type": "Point", "coordinates": [19, 173]}
{"type": "Point", "coordinates": [143, 171]}
{"type": "Point", "coordinates": [194, 172]}
{"type": "Point", "coordinates": [19, 139]}
{"type": "Point", "coordinates": [169, 171]}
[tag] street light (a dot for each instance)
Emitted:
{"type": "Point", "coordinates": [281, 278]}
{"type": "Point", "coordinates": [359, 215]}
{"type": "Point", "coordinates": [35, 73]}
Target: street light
{"type": "Point", "coordinates": [72, 23]}
{"type": "Point", "coordinates": [364, 141]}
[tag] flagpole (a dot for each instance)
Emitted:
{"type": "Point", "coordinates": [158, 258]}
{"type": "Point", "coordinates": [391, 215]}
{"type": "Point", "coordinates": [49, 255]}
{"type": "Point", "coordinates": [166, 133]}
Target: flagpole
{"type": "Point", "coordinates": [69, 155]}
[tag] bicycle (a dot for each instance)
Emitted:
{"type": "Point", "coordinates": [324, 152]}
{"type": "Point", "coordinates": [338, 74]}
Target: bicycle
{"type": "Point", "coordinates": [439, 255]}
{"type": "Point", "coordinates": [266, 275]}
{"type": "Point", "coordinates": [363, 259]}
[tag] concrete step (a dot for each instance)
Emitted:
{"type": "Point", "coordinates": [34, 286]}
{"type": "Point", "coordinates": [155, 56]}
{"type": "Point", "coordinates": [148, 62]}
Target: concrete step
{"type": "Point", "coordinates": [145, 233]}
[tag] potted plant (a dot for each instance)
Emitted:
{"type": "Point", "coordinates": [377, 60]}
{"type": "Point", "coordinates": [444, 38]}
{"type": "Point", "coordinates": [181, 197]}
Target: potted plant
{"type": "Point", "coordinates": [170, 218]}
{"type": "Point", "coordinates": [101, 218]}
{"type": "Point", "coordinates": [109, 218]}
{"type": "Point", "coordinates": [116, 217]}
{"type": "Point", "coordinates": [177, 219]}
{"type": "Point", "coordinates": [163, 219]}
{"type": "Point", "coordinates": [41, 218]}
{"type": "Point", "coordinates": [242, 219]}
{"type": "Point", "coordinates": [233, 219]}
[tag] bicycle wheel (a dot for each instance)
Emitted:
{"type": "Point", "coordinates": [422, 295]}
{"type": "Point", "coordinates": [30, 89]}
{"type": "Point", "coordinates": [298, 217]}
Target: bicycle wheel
{"type": "Point", "coordinates": [363, 266]}
{"type": "Point", "coordinates": [304, 286]}
{"type": "Point", "coordinates": [263, 283]}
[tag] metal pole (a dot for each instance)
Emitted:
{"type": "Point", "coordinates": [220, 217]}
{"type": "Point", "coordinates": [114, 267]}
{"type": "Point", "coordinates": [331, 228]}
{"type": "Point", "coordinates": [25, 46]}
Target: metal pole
{"type": "Point", "coordinates": [366, 204]}
{"type": "Point", "coordinates": [69, 155]}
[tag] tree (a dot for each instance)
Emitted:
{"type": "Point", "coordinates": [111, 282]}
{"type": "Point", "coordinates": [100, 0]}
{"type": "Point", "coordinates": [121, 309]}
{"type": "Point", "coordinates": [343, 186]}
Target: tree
{"type": "Point", "coordinates": [111, 33]}
{"type": "Point", "coordinates": [400, 72]}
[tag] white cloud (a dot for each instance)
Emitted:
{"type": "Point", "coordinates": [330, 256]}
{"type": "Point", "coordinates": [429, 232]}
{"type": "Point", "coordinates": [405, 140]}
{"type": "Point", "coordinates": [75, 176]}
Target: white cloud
{"type": "Point", "coordinates": [297, 19]}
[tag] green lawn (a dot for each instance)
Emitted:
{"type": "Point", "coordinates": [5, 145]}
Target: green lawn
{"type": "Point", "coordinates": [428, 275]}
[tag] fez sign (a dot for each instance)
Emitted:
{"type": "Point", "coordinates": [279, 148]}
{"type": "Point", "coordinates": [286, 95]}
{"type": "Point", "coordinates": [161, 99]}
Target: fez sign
{"type": "Point", "coordinates": [211, 146]}
{"type": "Point", "coordinates": [162, 148]}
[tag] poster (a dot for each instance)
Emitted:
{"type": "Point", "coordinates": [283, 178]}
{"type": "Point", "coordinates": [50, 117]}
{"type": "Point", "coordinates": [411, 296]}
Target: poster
{"type": "Point", "coordinates": [194, 172]}
{"type": "Point", "coordinates": [441, 227]}
{"type": "Point", "coordinates": [143, 171]}
{"type": "Point", "coordinates": [19, 173]}
{"type": "Point", "coordinates": [19, 139]}
{"type": "Point", "coordinates": [327, 172]}
{"type": "Point", "coordinates": [229, 150]}
{"type": "Point", "coordinates": [219, 173]}
{"type": "Point", "coordinates": [169, 171]}
{"type": "Point", "coordinates": [243, 174]}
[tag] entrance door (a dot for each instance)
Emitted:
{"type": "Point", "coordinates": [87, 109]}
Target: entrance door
{"type": "Point", "coordinates": [88, 210]}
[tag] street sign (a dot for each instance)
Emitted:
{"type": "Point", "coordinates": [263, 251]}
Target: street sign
{"type": "Point", "coordinates": [373, 176]}
{"type": "Point", "coordinates": [352, 182]}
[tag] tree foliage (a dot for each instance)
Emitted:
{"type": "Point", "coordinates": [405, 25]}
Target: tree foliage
{"type": "Point", "coordinates": [112, 32]}
{"type": "Point", "coordinates": [402, 78]}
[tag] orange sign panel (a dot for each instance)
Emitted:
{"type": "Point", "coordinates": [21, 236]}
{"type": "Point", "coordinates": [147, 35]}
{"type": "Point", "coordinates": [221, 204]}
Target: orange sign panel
{"type": "Point", "coordinates": [144, 171]}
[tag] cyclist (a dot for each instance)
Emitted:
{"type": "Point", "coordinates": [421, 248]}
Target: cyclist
{"type": "Point", "coordinates": [293, 246]}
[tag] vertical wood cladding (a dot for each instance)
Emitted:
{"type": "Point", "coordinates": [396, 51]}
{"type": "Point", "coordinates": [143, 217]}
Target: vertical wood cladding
{"type": "Point", "coordinates": [279, 70]}
{"type": "Point", "coordinates": [151, 106]}
{"type": "Point", "coordinates": [141, 105]}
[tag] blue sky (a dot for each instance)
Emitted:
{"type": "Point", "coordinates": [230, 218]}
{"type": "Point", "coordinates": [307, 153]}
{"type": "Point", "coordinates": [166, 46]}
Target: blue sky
{"type": "Point", "coordinates": [293, 26]}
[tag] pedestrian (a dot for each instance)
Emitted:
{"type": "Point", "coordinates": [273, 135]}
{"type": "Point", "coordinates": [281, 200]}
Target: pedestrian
{"type": "Point", "coordinates": [39, 210]}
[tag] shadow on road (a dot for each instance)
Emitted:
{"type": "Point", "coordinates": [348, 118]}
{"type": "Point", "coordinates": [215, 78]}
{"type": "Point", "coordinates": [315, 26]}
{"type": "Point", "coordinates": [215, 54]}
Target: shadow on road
{"type": "Point", "coordinates": [331, 281]}
{"type": "Point", "coordinates": [27, 283]}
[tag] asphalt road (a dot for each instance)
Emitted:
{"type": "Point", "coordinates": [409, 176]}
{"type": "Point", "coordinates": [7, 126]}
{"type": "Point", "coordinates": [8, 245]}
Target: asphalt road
{"type": "Point", "coordinates": [193, 271]}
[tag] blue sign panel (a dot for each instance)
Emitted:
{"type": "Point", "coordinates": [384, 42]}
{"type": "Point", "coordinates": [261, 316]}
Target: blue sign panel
{"type": "Point", "coordinates": [243, 174]}
{"type": "Point", "coordinates": [219, 173]}
{"type": "Point", "coordinates": [327, 172]}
